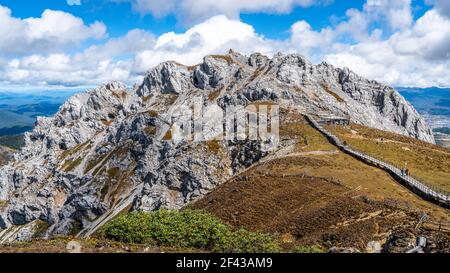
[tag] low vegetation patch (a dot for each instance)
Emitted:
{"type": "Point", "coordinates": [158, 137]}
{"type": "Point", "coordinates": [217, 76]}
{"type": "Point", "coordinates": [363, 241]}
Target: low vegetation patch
{"type": "Point", "coordinates": [70, 152]}
{"type": "Point", "coordinates": [152, 113]}
{"type": "Point", "coordinates": [214, 94]}
{"type": "Point", "coordinates": [3, 204]}
{"type": "Point", "coordinates": [106, 122]}
{"type": "Point", "coordinates": [146, 98]}
{"type": "Point", "coordinates": [309, 249]}
{"type": "Point", "coordinates": [150, 130]}
{"type": "Point", "coordinates": [168, 135]}
{"type": "Point", "coordinates": [188, 228]}
{"type": "Point", "coordinates": [122, 95]}
{"type": "Point", "coordinates": [15, 142]}
{"type": "Point", "coordinates": [95, 161]}
{"type": "Point", "coordinates": [308, 138]}
{"type": "Point", "coordinates": [329, 91]}
{"type": "Point", "coordinates": [226, 58]}
{"type": "Point", "coordinates": [214, 146]}
{"type": "Point", "coordinates": [70, 165]}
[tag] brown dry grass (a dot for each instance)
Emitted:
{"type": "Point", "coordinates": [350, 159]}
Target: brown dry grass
{"type": "Point", "coordinates": [214, 94]}
{"type": "Point", "coordinates": [59, 245]}
{"type": "Point", "coordinates": [308, 209]}
{"type": "Point", "coordinates": [329, 91]}
{"type": "Point", "coordinates": [308, 138]}
{"type": "Point", "coordinates": [146, 98]}
{"type": "Point", "coordinates": [152, 113]}
{"type": "Point", "coordinates": [106, 122]}
{"type": "Point", "coordinates": [150, 130]}
{"type": "Point", "coordinates": [168, 135]}
{"type": "Point", "coordinates": [214, 146]}
{"type": "Point", "coordinates": [226, 58]}
{"type": "Point", "coordinates": [331, 199]}
{"type": "Point", "coordinates": [121, 95]}
{"type": "Point", "coordinates": [70, 165]}
{"type": "Point", "coordinates": [81, 147]}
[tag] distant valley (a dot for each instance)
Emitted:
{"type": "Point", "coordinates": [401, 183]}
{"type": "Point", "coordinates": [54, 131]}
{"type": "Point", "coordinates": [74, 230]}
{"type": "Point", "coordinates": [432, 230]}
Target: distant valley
{"type": "Point", "coordinates": [18, 112]}
{"type": "Point", "coordinates": [434, 104]}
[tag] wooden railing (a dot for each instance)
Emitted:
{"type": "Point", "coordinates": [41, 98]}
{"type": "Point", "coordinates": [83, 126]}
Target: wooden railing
{"type": "Point", "coordinates": [422, 189]}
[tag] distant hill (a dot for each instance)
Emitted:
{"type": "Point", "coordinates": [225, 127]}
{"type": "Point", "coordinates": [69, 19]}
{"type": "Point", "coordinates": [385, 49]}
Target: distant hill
{"type": "Point", "coordinates": [434, 104]}
{"type": "Point", "coordinates": [15, 130]}
{"type": "Point", "coordinates": [18, 110]}
{"type": "Point", "coordinates": [443, 130]}
{"type": "Point", "coordinates": [12, 141]}
{"type": "Point", "coordinates": [430, 100]}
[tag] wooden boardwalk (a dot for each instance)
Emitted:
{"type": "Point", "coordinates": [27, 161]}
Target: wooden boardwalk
{"type": "Point", "coordinates": [418, 187]}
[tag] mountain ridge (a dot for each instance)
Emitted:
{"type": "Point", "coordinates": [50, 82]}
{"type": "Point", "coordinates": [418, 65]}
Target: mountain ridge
{"type": "Point", "coordinates": [102, 144]}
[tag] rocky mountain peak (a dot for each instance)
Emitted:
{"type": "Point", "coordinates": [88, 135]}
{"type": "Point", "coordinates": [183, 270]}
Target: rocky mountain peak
{"type": "Point", "coordinates": [109, 148]}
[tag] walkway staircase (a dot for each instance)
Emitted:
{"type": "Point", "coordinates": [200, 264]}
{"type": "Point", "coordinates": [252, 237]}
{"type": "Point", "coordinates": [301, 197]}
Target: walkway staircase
{"type": "Point", "coordinates": [418, 187]}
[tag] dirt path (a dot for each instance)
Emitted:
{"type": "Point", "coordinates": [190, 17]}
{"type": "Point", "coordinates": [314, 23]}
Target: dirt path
{"type": "Point", "coordinates": [332, 152]}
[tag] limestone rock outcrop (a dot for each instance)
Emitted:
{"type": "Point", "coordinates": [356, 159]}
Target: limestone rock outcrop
{"type": "Point", "coordinates": [110, 145]}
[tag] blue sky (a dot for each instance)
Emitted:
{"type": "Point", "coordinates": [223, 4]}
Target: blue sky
{"type": "Point", "coordinates": [120, 16]}
{"type": "Point", "coordinates": [51, 44]}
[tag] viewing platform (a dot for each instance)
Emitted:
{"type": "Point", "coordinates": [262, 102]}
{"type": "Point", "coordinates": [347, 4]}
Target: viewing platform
{"type": "Point", "coordinates": [330, 119]}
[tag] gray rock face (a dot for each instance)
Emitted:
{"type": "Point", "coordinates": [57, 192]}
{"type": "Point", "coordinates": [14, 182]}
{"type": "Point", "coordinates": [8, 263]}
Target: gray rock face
{"type": "Point", "coordinates": [104, 144]}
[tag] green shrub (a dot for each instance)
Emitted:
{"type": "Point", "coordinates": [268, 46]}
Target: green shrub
{"type": "Point", "coordinates": [309, 249]}
{"type": "Point", "coordinates": [129, 228]}
{"type": "Point", "coordinates": [243, 241]}
{"type": "Point", "coordinates": [188, 228]}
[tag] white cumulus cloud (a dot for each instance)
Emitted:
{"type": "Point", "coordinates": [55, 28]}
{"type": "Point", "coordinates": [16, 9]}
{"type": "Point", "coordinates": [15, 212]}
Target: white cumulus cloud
{"type": "Point", "coordinates": [442, 6]}
{"type": "Point", "coordinates": [372, 41]}
{"type": "Point", "coordinates": [215, 35]}
{"type": "Point", "coordinates": [417, 56]}
{"type": "Point", "coordinates": [198, 10]}
{"type": "Point", "coordinates": [54, 30]}
{"type": "Point", "coordinates": [112, 61]}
